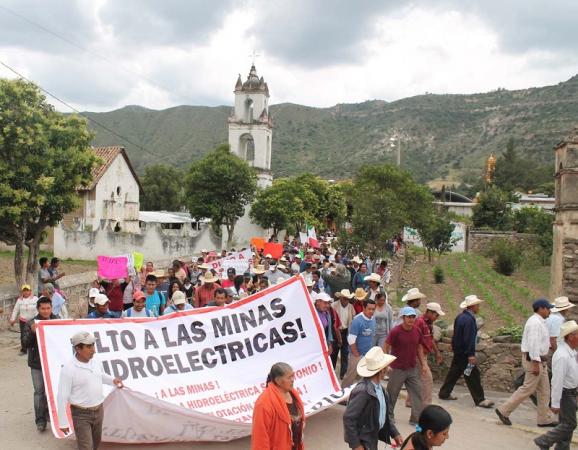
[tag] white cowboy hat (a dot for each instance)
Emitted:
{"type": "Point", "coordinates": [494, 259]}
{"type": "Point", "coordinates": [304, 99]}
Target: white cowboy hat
{"type": "Point", "coordinates": [356, 259]}
{"type": "Point", "coordinates": [323, 296]}
{"type": "Point", "coordinates": [562, 303]}
{"type": "Point", "coordinates": [204, 250]}
{"type": "Point", "coordinates": [373, 361]}
{"type": "Point", "coordinates": [360, 294]}
{"type": "Point", "coordinates": [309, 282]}
{"type": "Point", "coordinates": [268, 255]}
{"type": "Point", "coordinates": [159, 273]}
{"type": "Point", "coordinates": [281, 267]}
{"type": "Point", "coordinates": [435, 307]}
{"type": "Point", "coordinates": [568, 327]}
{"type": "Point", "coordinates": [470, 300]}
{"type": "Point", "coordinates": [413, 294]}
{"type": "Point", "coordinates": [259, 269]}
{"type": "Point", "coordinates": [344, 293]}
{"type": "Point", "coordinates": [209, 277]}
{"type": "Point", "coordinates": [373, 277]}
{"type": "Point", "coordinates": [204, 266]}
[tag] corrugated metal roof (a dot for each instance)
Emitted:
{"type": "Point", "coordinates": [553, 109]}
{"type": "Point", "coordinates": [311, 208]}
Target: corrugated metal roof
{"type": "Point", "coordinates": [166, 217]}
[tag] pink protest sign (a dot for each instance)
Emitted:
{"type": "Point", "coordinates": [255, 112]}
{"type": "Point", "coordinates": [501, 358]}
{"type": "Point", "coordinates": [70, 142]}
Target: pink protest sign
{"type": "Point", "coordinates": [111, 267]}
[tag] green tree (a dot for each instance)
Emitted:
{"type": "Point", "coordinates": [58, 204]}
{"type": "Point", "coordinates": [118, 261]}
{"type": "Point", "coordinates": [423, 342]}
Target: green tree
{"type": "Point", "coordinates": [536, 221]}
{"type": "Point", "coordinates": [492, 210]}
{"type": "Point", "coordinates": [162, 188]}
{"type": "Point", "coordinates": [385, 199]}
{"type": "Point", "coordinates": [436, 234]}
{"type": "Point", "coordinates": [282, 206]}
{"type": "Point", "coordinates": [218, 187]}
{"type": "Point", "coordinates": [44, 157]}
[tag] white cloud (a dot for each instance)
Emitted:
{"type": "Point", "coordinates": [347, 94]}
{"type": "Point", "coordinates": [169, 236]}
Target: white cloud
{"type": "Point", "coordinates": [389, 54]}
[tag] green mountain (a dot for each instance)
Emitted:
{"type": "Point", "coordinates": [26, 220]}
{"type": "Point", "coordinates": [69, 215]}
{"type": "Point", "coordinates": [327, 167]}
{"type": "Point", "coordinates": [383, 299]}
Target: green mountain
{"type": "Point", "coordinates": [439, 133]}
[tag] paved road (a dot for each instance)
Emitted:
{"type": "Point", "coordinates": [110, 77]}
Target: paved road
{"type": "Point", "coordinates": [473, 428]}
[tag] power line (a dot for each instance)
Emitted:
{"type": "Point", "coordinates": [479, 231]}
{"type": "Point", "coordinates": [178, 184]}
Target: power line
{"type": "Point", "coordinates": [47, 92]}
{"type": "Point", "coordinates": [81, 47]}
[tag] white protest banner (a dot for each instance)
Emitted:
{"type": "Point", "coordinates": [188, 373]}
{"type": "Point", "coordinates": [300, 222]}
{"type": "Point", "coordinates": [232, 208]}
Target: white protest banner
{"type": "Point", "coordinates": [195, 375]}
{"type": "Point", "coordinates": [240, 261]}
{"type": "Point", "coordinates": [303, 238]}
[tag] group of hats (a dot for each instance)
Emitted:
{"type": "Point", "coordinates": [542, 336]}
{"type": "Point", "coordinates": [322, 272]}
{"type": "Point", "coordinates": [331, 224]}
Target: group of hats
{"type": "Point", "coordinates": [95, 297]}
{"type": "Point", "coordinates": [560, 304]}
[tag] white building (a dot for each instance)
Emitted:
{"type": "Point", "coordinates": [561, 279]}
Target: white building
{"type": "Point", "coordinates": [250, 136]}
{"type": "Point", "coordinates": [111, 201]}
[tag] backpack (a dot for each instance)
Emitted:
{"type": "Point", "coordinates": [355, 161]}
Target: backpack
{"type": "Point", "coordinates": [129, 312]}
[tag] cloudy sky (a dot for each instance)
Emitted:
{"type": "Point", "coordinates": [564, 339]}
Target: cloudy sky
{"type": "Point", "coordinates": [100, 55]}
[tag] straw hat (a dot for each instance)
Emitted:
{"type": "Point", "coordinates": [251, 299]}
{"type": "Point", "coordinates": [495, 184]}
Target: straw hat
{"type": "Point", "coordinates": [209, 277]}
{"type": "Point", "coordinates": [25, 287]}
{"type": "Point", "coordinates": [159, 273]}
{"type": "Point", "coordinates": [373, 277]}
{"type": "Point", "coordinates": [259, 269]}
{"type": "Point", "coordinates": [356, 259]}
{"type": "Point", "coordinates": [568, 327]}
{"type": "Point", "coordinates": [360, 294]}
{"type": "Point", "coordinates": [309, 282]}
{"type": "Point", "coordinates": [268, 255]}
{"type": "Point", "coordinates": [470, 300]}
{"type": "Point", "coordinates": [204, 266]}
{"type": "Point", "coordinates": [435, 307]}
{"type": "Point", "coordinates": [413, 294]}
{"type": "Point", "coordinates": [561, 304]}
{"type": "Point", "coordinates": [373, 361]}
{"type": "Point", "coordinates": [344, 293]}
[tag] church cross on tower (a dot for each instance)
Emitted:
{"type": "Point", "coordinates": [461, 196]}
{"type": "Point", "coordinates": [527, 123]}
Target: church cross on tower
{"type": "Point", "coordinates": [254, 56]}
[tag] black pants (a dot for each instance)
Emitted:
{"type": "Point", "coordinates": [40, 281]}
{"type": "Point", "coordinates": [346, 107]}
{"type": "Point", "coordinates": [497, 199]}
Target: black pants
{"type": "Point", "coordinates": [22, 343]}
{"type": "Point", "coordinates": [561, 435]}
{"type": "Point", "coordinates": [474, 382]}
{"type": "Point", "coordinates": [344, 350]}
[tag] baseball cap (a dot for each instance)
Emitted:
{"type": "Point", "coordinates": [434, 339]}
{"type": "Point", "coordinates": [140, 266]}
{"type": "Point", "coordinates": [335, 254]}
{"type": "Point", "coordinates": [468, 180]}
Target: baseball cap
{"type": "Point", "coordinates": [138, 295]}
{"type": "Point", "coordinates": [93, 292]}
{"type": "Point", "coordinates": [179, 298]}
{"type": "Point", "coordinates": [25, 287]}
{"type": "Point", "coordinates": [82, 337]}
{"type": "Point", "coordinates": [407, 311]}
{"type": "Point", "coordinates": [101, 299]}
{"type": "Point", "coordinates": [231, 270]}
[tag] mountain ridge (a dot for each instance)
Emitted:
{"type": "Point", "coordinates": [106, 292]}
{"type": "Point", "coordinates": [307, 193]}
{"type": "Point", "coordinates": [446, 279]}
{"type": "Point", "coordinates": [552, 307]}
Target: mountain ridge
{"type": "Point", "coordinates": [440, 133]}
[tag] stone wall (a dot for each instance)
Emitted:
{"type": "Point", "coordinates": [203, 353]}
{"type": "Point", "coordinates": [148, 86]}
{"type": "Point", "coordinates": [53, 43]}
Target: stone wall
{"type": "Point", "coordinates": [500, 363]}
{"type": "Point", "coordinates": [75, 287]}
{"type": "Point", "coordinates": [480, 240]}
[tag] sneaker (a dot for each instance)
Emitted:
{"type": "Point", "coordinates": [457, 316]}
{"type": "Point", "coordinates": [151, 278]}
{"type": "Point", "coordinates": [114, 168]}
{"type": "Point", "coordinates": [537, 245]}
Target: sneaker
{"type": "Point", "coordinates": [540, 445]}
{"type": "Point", "coordinates": [505, 420]}
{"type": "Point", "coordinates": [449, 397]}
{"type": "Point", "coordinates": [485, 404]}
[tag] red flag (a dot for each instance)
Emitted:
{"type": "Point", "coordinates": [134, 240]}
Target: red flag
{"type": "Point", "coordinates": [276, 250]}
{"type": "Point", "coordinates": [313, 243]}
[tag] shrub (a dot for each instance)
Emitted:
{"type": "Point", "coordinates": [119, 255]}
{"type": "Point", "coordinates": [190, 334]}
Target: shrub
{"type": "Point", "coordinates": [506, 257]}
{"type": "Point", "coordinates": [439, 276]}
{"type": "Point", "coordinates": [515, 331]}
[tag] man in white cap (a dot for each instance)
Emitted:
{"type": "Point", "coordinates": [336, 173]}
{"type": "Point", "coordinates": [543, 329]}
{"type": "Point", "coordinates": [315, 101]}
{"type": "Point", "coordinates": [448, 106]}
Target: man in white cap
{"type": "Point", "coordinates": [92, 293]}
{"type": "Point", "coordinates": [368, 417]}
{"type": "Point", "coordinates": [424, 324]}
{"type": "Point", "coordinates": [556, 318]}
{"type": "Point", "coordinates": [80, 385]}
{"type": "Point", "coordinates": [564, 390]}
{"type": "Point", "coordinates": [179, 303]}
{"type": "Point", "coordinates": [101, 311]}
{"type": "Point", "coordinates": [535, 346]}
{"type": "Point", "coordinates": [464, 348]}
{"type": "Point", "coordinates": [346, 313]}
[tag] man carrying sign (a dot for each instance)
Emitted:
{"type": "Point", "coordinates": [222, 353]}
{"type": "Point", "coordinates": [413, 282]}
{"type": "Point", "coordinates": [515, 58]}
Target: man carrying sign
{"type": "Point", "coordinates": [81, 385]}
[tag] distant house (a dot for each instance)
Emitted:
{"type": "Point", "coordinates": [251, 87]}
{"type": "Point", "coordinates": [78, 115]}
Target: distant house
{"type": "Point", "coordinates": [111, 201]}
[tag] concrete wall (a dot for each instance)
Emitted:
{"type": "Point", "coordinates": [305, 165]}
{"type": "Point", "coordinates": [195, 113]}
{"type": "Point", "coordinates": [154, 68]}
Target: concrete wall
{"type": "Point", "coordinates": [479, 241]}
{"type": "Point", "coordinates": [154, 242]}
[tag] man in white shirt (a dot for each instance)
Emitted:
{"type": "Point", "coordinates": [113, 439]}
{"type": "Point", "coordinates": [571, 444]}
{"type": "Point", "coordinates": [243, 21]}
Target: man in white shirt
{"type": "Point", "coordinates": [535, 346]}
{"type": "Point", "coordinates": [81, 381]}
{"type": "Point", "coordinates": [556, 319]}
{"type": "Point", "coordinates": [564, 390]}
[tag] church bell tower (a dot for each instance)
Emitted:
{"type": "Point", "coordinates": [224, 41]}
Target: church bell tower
{"type": "Point", "coordinates": [251, 127]}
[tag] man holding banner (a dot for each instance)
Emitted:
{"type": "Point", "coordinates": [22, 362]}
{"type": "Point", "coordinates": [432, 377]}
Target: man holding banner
{"type": "Point", "coordinates": [81, 385]}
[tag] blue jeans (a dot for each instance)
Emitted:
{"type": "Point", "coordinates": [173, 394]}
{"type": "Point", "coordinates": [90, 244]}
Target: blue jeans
{"type": "Point", "coordinates": [40, 401]}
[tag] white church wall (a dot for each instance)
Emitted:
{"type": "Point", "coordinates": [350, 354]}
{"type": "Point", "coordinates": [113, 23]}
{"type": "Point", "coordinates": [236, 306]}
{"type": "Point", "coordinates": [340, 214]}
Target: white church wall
{"type": "Point", "coordinates": [154, 242]}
